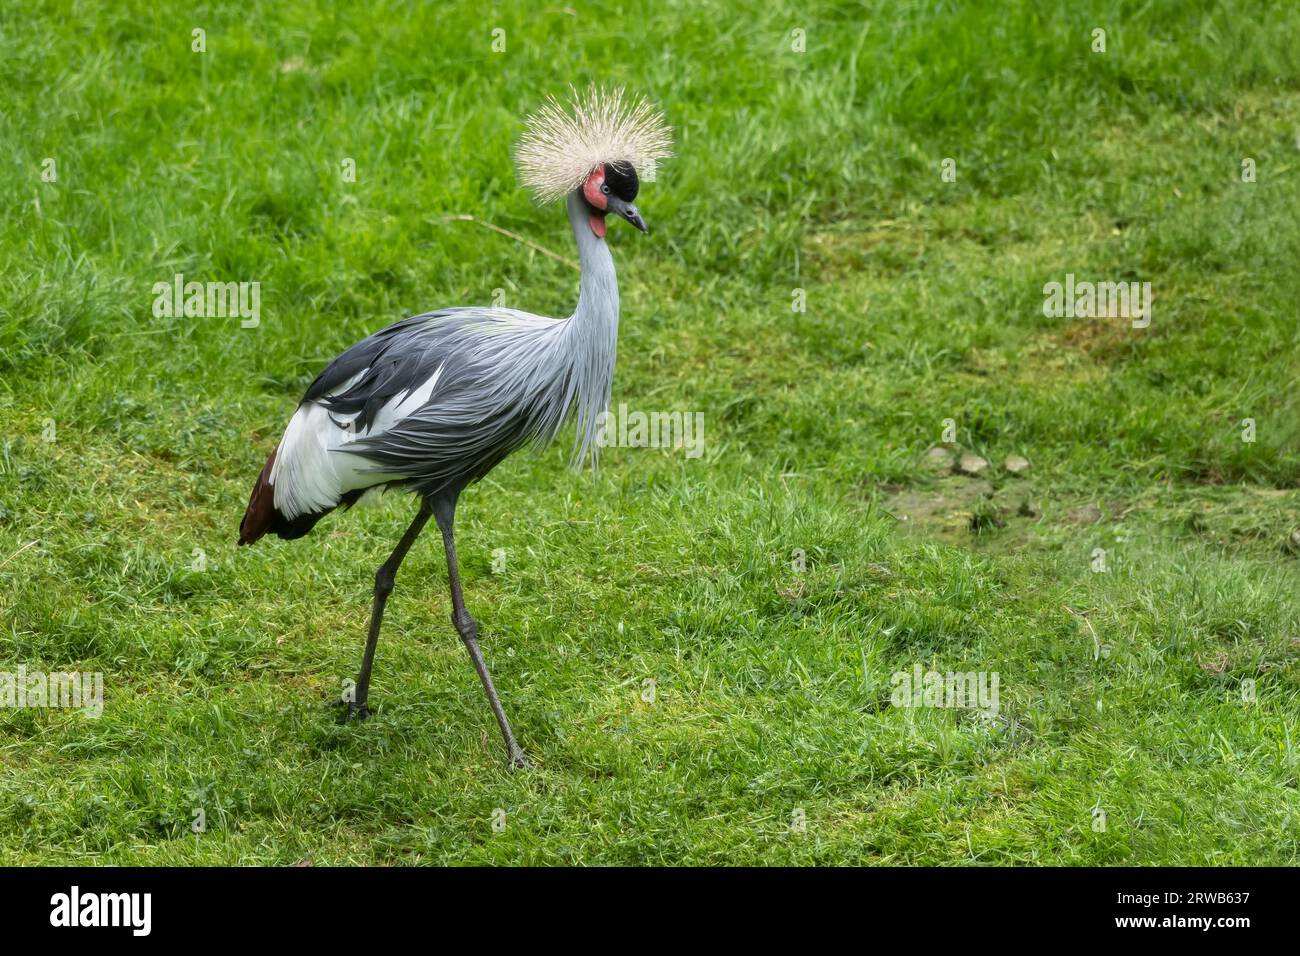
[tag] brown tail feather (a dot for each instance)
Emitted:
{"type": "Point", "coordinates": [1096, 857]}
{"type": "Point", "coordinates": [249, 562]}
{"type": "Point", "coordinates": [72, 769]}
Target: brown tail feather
{"type": "Point", "coordinates": [261, 513]}
{"type": "Point", "coordinates": [262, 517]}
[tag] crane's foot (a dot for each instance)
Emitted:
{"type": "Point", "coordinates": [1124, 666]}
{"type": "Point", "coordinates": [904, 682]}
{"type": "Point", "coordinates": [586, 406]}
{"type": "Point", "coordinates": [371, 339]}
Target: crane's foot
{"type": "Point", "coordinates": [356, 711]}
{"type": "Point", "coordinates": [349, 710]}
{"type": "Point", "coordinates": [518, 761]}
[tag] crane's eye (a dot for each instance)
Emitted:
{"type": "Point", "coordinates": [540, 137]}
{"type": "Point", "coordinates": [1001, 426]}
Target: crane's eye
{"type": "Point", "coordinates": [604, 187]}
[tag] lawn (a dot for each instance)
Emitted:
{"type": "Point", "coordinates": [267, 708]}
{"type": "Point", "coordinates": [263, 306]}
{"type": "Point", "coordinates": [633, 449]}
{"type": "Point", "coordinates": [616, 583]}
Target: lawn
{"type": "Point", "coordinates": [845, 271]}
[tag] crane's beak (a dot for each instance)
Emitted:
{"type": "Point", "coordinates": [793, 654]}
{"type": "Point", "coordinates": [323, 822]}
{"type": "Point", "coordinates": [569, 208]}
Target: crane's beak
{"type": "Point", "coordinates": [627, 211]}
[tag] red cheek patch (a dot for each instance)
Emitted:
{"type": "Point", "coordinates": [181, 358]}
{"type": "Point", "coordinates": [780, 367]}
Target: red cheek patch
{"type": "Point", "coordinates": [591, 189]}
{"type": "Point", "coordinates": [597, 225]}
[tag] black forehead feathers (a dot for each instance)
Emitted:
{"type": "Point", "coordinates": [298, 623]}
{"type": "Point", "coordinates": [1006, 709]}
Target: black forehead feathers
{"type": "Point", "coordinates": [622, 181]}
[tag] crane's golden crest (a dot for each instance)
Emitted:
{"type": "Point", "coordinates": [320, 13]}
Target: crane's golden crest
{"type": "Point", "coordinates": [562, 144]}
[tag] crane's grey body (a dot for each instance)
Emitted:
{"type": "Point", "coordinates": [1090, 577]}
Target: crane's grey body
{"type": "Point", "coordinates": [434, 402]}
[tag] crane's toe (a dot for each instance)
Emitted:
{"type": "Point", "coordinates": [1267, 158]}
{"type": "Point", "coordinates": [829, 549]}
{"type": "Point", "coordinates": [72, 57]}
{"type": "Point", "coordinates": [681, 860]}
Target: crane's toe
{"type": "Point", "coordinates": [349, 710]}
{"type": "Point", "coordinates": [519, 762]}
{"type": "Point", "coordinates": [357, 711]}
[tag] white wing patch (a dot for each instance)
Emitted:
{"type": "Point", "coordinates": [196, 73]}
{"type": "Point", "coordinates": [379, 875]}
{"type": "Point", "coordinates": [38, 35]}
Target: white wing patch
{"type": "Point", "coordinates": [402, 406]}
{"type": "Point", "coordinates": [312, 472]}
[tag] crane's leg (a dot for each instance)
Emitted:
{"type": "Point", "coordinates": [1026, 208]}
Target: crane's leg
{"type": "Point", "coordinates": [467, 627]}
{"type": "Point", "coordinates": [384, 578]}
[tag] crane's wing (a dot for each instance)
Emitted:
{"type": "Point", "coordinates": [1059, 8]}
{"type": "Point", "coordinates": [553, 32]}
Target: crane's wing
{"type": "Point", "coordinates": [432, 400]}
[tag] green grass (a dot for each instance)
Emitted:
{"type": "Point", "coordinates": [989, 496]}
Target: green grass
{"type": "Point", "coordinates": [818, 171]}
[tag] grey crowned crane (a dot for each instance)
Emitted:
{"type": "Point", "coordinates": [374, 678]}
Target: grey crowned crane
{"type": "Point", "coordinates": [435, 402]}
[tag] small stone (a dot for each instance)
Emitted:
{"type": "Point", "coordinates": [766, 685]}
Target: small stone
{"type": "Point", "coordinates": [937, 458]}
{"type": "Point", "coordinates": [972, 465]}
{"type": "Point", "coordinates": [1293, 542]}
{"type": "Point", "coordinates": [1016, 464]}
{"type": "Point", "coordinates": [1087, 514]}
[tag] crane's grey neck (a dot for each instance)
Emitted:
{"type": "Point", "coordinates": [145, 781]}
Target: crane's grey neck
{"type": "Point", "coordinates": [598, 290]}
{"type": "Point", "coordinates": [591, 333]}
